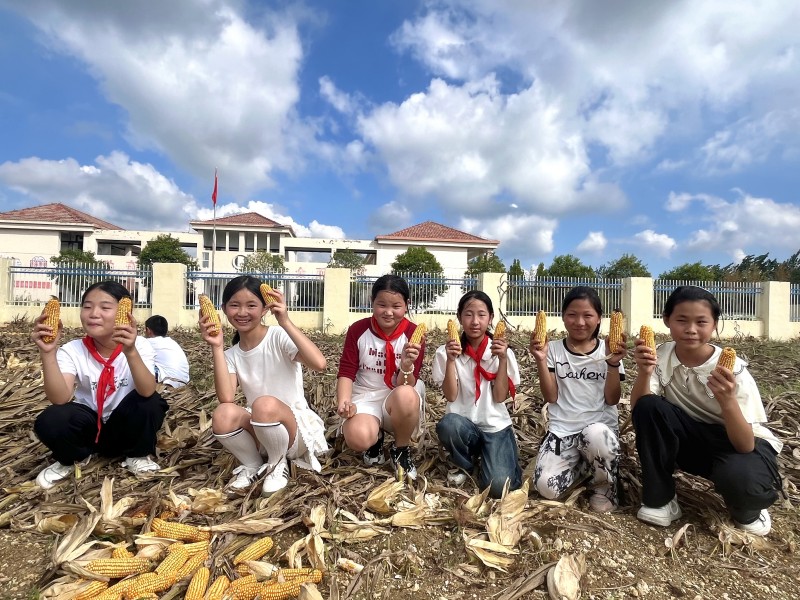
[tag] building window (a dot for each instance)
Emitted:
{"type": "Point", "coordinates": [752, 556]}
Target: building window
{"type": "Point", "coordinates": [206, 260]}
{"type": "Point", "coordinates": [71, 241]}
{"type": "Point", "coordinates": [233, 241]}
{"type": "Point", "coordinates": [111, 249]}
{"type": "Point", "coordinates": [249, 242]}
{"type": "Point", "coordinates": [263, 242]}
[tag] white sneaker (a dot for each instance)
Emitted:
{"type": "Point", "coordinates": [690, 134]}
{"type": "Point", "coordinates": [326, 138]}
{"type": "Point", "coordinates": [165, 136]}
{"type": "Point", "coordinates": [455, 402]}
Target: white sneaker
{"type": "Point", "coordinates": [663, 515]}
{"type": "Point", "coordinates": [49, 476]}
{"type": "Point", "coordinates": [276, 479]}
{"type": "Point", "coordinates": [244, 477]}
{"type": "Point", "coordinates": [456, 477]}
{"type": "Point", "coordinates": [761, 526]}
{"type": "Point", "coordinates": [140, 464]}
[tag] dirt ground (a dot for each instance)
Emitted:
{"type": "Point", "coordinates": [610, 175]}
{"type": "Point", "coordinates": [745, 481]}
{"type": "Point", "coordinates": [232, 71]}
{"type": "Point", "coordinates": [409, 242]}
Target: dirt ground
{"type": "Point", "coordinates": [427, 555]}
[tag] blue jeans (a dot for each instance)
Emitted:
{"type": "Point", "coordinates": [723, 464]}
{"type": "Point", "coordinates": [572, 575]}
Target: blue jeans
{"type": "Point", "coordinates": [497, 452]}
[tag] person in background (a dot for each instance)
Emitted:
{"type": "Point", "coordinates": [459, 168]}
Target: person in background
{"type": "Point", "coordinates": [172, 366]}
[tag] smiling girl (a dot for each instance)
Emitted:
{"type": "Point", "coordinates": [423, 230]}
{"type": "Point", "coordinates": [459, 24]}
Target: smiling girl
{"type": "Point", "coordinates": [378, 387]}
{"type": "Point", "coordinates": [102, 389]}
{"type": "Point", "coordinates": [266, 361]}
{"type": "Point", "coordinates": [478, 374]}
{"type": "Point", "coordinates": [580, 378]}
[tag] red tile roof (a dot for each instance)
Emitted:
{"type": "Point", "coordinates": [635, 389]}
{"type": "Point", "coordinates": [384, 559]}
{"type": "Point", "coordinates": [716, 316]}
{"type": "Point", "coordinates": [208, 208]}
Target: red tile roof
{"type": "Point", "coordinates": [252, 219]}
{"type": "Point", "coordinates": [435, 232]}
{"type": "Point", "coordinates": [56, 213]}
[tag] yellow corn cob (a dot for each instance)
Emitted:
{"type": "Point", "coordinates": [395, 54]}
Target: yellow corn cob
{"type": "Point", "coordinates": [452, 331]}
{"type": "Point", "coordinates": [174, 561]}
{"type": "Point", "coordinates": [267, 294]}
{"type": "Point", "coordinates": [118, 567]}
{"type": "Point", "coordinates": [647, 336]}
{"type": "Point", "coordinates": [540, 329]}
{"type": "Point", "coordinates": [124, 309]}
{"type": "Point", "coordinates": [217, 589]}
{"type": "Point", "coordinates": [115, 592]}
{"type": "Point", "coordinates": [53, 311]}
{"type": "Point", "coordinates": [190, 567]}
{"type": "Point", "coordinates": [255, 550]}
{"type": "Point", "coordinates": [121, 552]}
{"type": "Point", "coordinates": [198, 584]}
{"type": "Point", "coordinates": [500, 330]}
{"type": "Point", "coordinates": [92, 589]}
{"type": "Point", "coordinates": [242, 570]}
{"type": "Point", "coordinates": [197, 548]}
{"type": "Point", "coordinates": [307, 574]}
{"type": "Point", "coordinates": [207, 310]}
{"type": "Point", "coordinates": [282, 591]}
{"type": "Point", "coordinates": [416, 337]}
{"type": "Point", "coordinates": [615, 332]}
{"type": "Point", "coordinates": [147, 583]}
{"type": "Point", "coordinates": [244, 588]}
{"type": "Point", "coordinates": [179, 531]}
{"type": "Point", "coordinates": [727, 358]}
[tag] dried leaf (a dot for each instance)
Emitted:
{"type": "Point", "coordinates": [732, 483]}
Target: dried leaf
{"type": "Point", "coordinates": [564, 580]}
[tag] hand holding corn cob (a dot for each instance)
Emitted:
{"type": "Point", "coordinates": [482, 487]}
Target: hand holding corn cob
{"type": "Point", "coordinates": [645, 350]}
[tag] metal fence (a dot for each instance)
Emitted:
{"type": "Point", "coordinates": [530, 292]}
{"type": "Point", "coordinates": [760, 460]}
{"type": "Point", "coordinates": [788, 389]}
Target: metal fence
{"type": "Point", "coordinates": [301, 292]}
{"type": "Point", "coordinates": [35, 285]}
{"type": "Point", "coordinates": [430, 293]}
{"type": "Point", "coordinates": [794, 302]}
{"type": "Point", "coordinates": [739, 300]}
{"type": "Point", "coordinates": [529, 296]}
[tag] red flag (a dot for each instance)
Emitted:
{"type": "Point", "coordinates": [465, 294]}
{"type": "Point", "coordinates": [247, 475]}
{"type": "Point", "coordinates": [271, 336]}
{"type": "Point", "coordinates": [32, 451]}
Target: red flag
{"type": "Point", "coordinates": [214, 193]}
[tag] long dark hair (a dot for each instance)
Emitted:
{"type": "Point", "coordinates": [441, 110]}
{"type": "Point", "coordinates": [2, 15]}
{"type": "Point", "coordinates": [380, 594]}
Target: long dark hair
{"type": "Point", "coordinates": [584, 292]}
{"type": "Point", "coordinates": [468, 297]}
{"type": "Point", "coordinates": [243, 282]}
{"type": "Point", "coordinates": [113, 288]}
{"type": "Point", "coordinates": [691, 293]}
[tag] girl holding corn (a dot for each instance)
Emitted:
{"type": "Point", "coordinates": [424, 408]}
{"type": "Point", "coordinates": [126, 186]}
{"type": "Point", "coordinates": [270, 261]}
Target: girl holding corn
{"type": "Point", "coordinates": [102, 387]}
{"type": "Point", "coordinates": [378, 387]}
{"type": "Point", "coordinates": [266, 361]}
{"type": "Point", "coordinates": [692, 411]}
{"type": "Point", "coordinates": [478, 372]}
{"type": "Point", "coordinates": [580, 379]}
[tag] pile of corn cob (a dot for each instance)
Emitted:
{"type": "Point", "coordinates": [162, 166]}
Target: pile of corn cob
{"type": "Point", "coordinates": [186, 561]}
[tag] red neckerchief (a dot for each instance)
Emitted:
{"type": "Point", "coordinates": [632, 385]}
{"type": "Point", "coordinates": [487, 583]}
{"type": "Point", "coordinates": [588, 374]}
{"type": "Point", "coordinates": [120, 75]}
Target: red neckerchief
{"type": "Point", "coordinates": [388, 373]}
{"type": "Point", "coordinates": [105, 384]}
{"type": "Point", "coordinates": [477, 355]}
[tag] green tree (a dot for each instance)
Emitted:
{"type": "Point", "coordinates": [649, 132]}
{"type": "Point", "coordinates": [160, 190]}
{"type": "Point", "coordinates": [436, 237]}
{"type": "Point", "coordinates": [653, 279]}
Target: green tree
{"type": "Point", "coordinates": [425, 276]}
{"type": "Point", "coordinates": [567, 265]}
{"type": "Point", "coordinates": [753, 268]}
{"type": "Point", "coordinates": [626, 265]}
{"type": "Point", "coordinates": [490, 263]}
{"type": "Point", "coordinates": [515, 271]}
{"type": "Point", "coordinates": [263, 262]}
{"type": "Point", "coordinates": [790, 268]}
{"type": "Point", "coordinates": [347, 259]}
{"type": "Point", "coordinates": [691, 272]}
{"type": "Point", "coordinates": [78, 269]}
{"type": "Point", "coordinates": [165, 249]}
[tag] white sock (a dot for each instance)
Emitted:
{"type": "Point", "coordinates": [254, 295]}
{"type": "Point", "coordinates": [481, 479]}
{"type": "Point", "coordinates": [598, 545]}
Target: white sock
{"type": "Point", "coordinates": [242, 445]}
{"type": "Point", "coordinates": [274, 438]}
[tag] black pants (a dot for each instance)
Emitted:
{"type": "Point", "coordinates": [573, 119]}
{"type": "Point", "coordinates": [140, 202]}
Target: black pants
{"type": "Point", "coordinates": [667, 437]}
{"type": "Point", "coordinates": [69, 430]}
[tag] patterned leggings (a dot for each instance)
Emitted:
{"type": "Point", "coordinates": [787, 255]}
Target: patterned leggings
{"type": "Point", "coordinates": [564, 461]}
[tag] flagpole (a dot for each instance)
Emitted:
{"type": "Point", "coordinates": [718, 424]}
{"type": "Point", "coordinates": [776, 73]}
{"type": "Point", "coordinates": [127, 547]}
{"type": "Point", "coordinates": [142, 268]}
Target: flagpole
{"type": "Point", "coordinates": [214, 234]}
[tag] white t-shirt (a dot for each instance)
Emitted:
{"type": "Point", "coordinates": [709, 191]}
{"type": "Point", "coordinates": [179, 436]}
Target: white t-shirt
{"type": "Point", "coordinates": [171, 361]}
{"type": "Point", "coordinates": [687, 388]}
{"type": "Point", "coordinates": [488, 415]}
{"type": "Point", "coordinates": [269, 369]}
{"type": "Point", "coordinates": [581, 381]}
{"type": "Point", "coordinates": [74, 358]}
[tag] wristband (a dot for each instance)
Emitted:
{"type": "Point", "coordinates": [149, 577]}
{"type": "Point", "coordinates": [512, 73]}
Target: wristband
{"type": "Point", "coordinates": [406, 374]}
{"type": "Point", "coordinates": [612, 365]}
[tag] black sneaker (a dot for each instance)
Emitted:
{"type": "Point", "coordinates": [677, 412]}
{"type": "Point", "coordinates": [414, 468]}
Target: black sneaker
{"type": "Point", "coordinates": [374, 455]}
{"type": "Point", "coordinates": [402, 462]}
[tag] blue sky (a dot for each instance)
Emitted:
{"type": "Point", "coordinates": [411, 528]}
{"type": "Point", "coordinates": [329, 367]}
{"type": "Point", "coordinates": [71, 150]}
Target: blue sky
{"type": "Point", "coordinates": [669, 130]}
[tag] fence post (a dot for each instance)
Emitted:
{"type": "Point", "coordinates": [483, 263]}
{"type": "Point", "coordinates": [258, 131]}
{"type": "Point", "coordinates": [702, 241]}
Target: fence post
{"type": "Point", "coordinates": [169, 291]}
{"type": "Point", "coordinates": [6, 294]}
{"type": "Point", "coordinates": [489, 283]}
{"type": "Point", "coordinates": [336, 300]}
{"type": "Point", "coordinates": [637, 303]}
{"type": "Point", "coordinates": [775, 310]}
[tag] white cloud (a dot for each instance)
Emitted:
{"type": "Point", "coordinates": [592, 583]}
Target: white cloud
{"type": "Point", "coordinates": [334, 96]}
{"type": "Point", "coordinates": [390, 217]}
{"type": "Point", "coordinates": [658, 243]}
{"type": "Point", "coordinates": [197, 82]}
{"type": "Point", "coordinates": [595, 242]}
{"type": "Point", "coordinates": [276, 213]}
{"type": "Point", "coordinates": [117, 189]}
{"type": "Point", "coordinates": [521, 236]}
